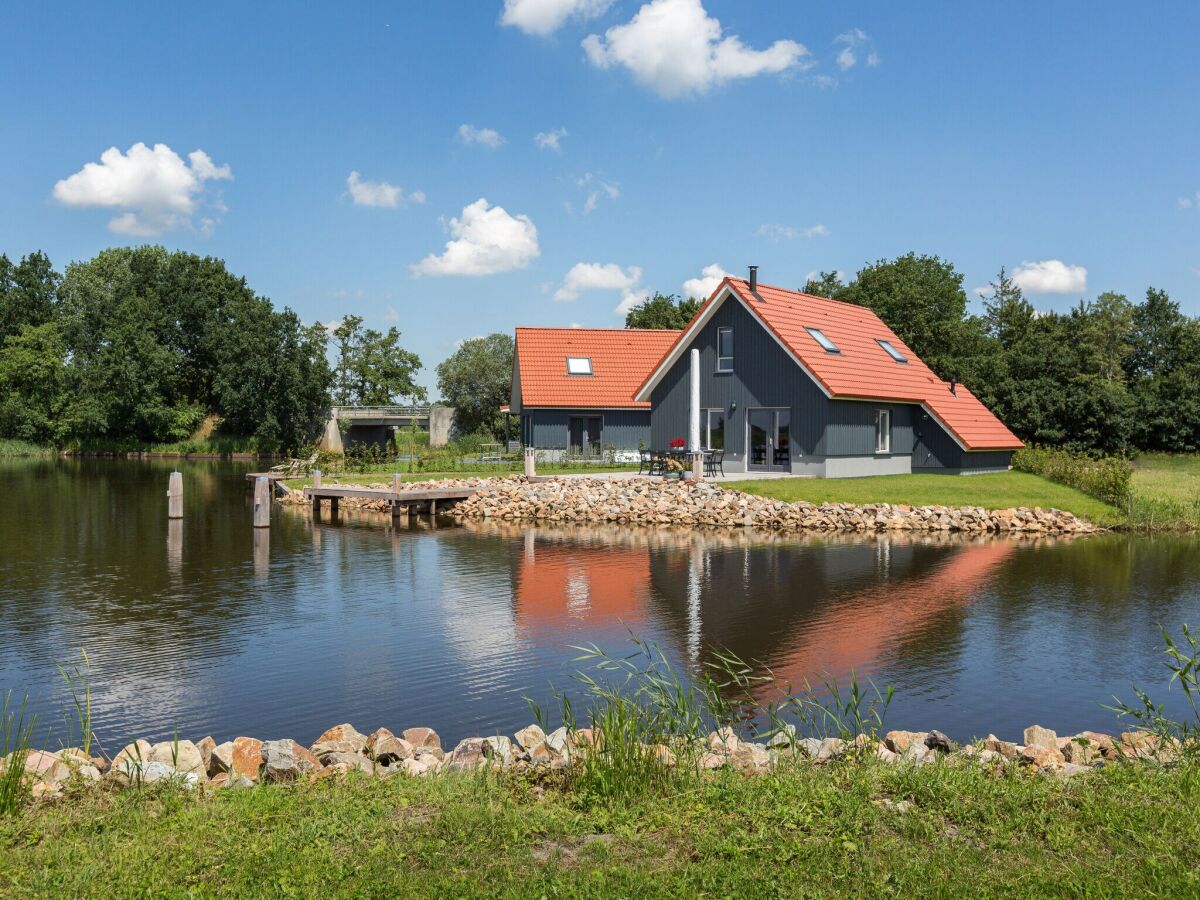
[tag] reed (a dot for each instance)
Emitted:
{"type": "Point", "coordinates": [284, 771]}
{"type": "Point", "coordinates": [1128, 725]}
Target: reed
{"type": "Point", "coordinates": [16, 732]}
{"type": "Point", "coordinates": [1183, 662]}
{"type": "Point", "coordinates": [78, 719]}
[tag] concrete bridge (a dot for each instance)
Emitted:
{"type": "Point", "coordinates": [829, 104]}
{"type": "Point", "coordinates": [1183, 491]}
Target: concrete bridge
{"type": "Point", "coordinates": [379, 424]}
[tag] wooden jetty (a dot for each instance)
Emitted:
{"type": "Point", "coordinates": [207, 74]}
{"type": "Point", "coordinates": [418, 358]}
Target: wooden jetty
{"type": "Point", "coordinates": [401, 503]}
{"type": "Point", "coordinates": [272, 477]}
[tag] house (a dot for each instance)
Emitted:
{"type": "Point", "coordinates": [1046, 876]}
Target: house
{"type": "Point", "coordinates": [791, 382]}
{"type": "Point", "coordinates": [573, 387]}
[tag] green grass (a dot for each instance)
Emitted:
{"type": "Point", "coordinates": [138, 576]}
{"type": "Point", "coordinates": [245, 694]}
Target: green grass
{"type": "Point", "coordinates": [10, 447]}
{"type": "Point", "coordinates": [1165, 493]}
{"type": "Point", "coordinates": [998, 490]}
{"type": "Point", "coordinates": [812, 831]}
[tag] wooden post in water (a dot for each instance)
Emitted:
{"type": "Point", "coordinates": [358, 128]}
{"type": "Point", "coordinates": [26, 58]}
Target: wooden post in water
{"type": "Point", "coordinates": [530, 462]}
{"type": "Point", "coordinates": [175, 496]}
{"type": "Point", "coordinates": [396, 482]}
{"type": "Point", "coordinates": [262, 502]}
{"type": "Point", "coordinates": [316, 477]}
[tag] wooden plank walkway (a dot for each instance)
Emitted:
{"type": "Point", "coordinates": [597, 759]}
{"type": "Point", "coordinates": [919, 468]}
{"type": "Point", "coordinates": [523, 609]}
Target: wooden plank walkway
{"type": "Point", "coordinates": [401, 503]}
{"type": "Point", "coordinates": [272, 478]}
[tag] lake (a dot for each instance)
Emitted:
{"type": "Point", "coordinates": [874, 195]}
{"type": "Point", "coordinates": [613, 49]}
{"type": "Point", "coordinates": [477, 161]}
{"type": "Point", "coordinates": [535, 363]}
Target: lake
{"type": "Point", "coordinates": [209, 627]}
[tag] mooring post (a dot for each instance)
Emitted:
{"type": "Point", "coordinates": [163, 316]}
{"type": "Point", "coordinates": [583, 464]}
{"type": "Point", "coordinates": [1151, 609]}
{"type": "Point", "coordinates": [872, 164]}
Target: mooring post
{"type": "Point", "coordinates": [316, 477]}
{"type": "Point", "coordinates": [530, 462]}
{"type": "Point", "coordinates": [175, 496]}
{"type": "Point", "coordinates": [262, 502]}
{"type": "Point", "coordinates": [698, 466]}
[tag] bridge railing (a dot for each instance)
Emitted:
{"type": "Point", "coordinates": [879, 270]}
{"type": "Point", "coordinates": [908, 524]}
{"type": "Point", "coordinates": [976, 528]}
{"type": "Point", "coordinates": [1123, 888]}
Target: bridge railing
{"type": "Point", "coordinates": [376, 412]}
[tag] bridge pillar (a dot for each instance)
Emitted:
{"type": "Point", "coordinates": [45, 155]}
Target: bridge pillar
{"type": "Point", "coordinates": [441, 419]}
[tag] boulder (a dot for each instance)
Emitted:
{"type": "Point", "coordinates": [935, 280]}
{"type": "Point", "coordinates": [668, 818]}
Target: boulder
{"type": "Point", "coordinates": [899, 741]}
{"type": "Point", "coordinates": [246, 759]}
{"type": "Point", "coordinates": [155, 772]}
{"type": "Point", "coordinates": [1080, 751]}
{"type": "Point", "coordinates": [723, 740]}
{"type": "Point", "coordinates": [423, 738]}
{"type": "Point", "coordinates": [499, 749]}
{"type": "Point", "coordinates": [1037, 736]}
{"type": "Point", "coordinates": [530, 736]}
{"type": "Point", "coordinates": [45, 767]}
{"type": "Point", "coordinates": [419, 765]}
{"type": "Point", "coordinates": [1040, 757]}
{"type": "Point", "coordinates": [830, 748]}
{"type": "Point", "coordinates": [183, 756]}
{"type": "Point", "coordinates": [387, 749]}
{"type": "Point", "coordinates": [1006, 749]}
{"type": "Point", "coordinates": [206, 745]}
{"type": "Point", "coordinates": [130, 756]}
{"type": "Point", "coordinates": [784, 737]}
{"type": "Point", "coordinates": [349, 762]}
{"type": "Point", "coordinates": [559, 742]}
{"type": "Point", "coordinates": [286, 760]}
{"type": "Point", "coordinates": [342, 738]}
{"type": "Point", "coordinates": [221, 759]}
{"type": "Point", "coordinates": [750, 758]}
{"type": "Point", "coordinates": [467, 755]}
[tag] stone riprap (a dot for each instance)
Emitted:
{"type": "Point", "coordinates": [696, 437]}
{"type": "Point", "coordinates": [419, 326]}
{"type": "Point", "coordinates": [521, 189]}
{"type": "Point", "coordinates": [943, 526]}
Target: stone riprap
{"type": "Point", "coordinates": [246, 762]}
{"type": "Point", "coordinates": [645, 501]}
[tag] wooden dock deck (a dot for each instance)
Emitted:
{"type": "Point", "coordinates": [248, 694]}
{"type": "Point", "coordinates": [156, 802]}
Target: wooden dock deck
{"type": "Point", "coordinates": [272, 478]}
{"type": "Point", "coordinates": [400, 503]}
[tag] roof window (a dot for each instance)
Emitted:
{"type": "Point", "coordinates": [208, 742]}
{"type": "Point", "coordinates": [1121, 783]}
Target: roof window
{"type": "Point", "coordinates": [891, 351]}
{"type": "Point", "coordinates": [579, 365]}
{"type": "Point", "coordinates": [826, 344]}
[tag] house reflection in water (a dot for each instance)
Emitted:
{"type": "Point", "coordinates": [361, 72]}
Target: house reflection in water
{"type": "Point", "coordinates": [805, 608]}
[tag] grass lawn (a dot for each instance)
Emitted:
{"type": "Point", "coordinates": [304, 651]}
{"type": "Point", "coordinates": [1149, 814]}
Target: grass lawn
{"type": "Point", "coordinates": [1173, 475]}
{"type": "Point", "coordinates": [813, 831]}
{"type": "Point", "coordinates": [992, 491]}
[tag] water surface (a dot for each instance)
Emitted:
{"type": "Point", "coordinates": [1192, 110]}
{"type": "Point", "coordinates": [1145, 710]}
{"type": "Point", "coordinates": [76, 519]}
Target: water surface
{"type": "Point", "coordinates": [209, 626]}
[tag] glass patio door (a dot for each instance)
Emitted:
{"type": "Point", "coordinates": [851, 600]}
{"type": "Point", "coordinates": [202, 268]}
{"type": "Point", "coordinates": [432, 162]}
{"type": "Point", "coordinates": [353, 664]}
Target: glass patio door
{"type": "Point", "coordinates": [769, 447]}
{"type": "Point", "coordinates": [585, 435]}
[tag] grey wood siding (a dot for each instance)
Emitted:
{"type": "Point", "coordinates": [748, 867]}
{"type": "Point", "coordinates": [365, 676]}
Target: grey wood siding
{"type": "Point", "coordinates": [935, 450]}
{"type": "Point", "coordinates": [622, 428]}
{"type": "Point", "coordinates": [763, 375]}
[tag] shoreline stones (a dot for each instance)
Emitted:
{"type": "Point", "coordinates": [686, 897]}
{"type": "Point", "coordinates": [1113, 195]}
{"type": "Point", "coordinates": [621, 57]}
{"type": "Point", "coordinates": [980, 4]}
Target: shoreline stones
{"type": "Point", "coordinates": [245, 761]}
{"type": "Point", "coordinates": [644, 501]}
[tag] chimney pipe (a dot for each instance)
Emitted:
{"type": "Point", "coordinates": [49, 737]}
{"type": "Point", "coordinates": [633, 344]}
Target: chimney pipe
{"type": "Point", "coordinates": [754, 279]}
{"type": "Point", "coordinates": [954, 386]}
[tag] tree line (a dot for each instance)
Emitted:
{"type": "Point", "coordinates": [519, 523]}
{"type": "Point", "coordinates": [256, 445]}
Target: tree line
{"type": "Point", "coordinates": [1110, 375]}
{"type": "Point", "coordinates": [141, 345]}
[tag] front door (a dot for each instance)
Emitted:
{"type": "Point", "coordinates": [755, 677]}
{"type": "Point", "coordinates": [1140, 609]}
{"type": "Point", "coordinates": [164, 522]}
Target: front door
{"type": "Point", "coordinates": [585, 435]}
{"type": "Point", "coordinates": [769, 440]}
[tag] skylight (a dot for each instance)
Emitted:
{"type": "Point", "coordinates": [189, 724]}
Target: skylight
{"type": "Point", "coordinates": [579, 365]}
{"type": "Point", "coordinates": [892, 351]}
{"type": "Point", "coordinates": [826, 344]}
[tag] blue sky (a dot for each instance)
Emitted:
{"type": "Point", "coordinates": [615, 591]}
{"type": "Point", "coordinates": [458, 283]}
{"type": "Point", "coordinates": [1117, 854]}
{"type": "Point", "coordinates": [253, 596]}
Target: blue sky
{"type": "Point", "coordinates": [690, 134]}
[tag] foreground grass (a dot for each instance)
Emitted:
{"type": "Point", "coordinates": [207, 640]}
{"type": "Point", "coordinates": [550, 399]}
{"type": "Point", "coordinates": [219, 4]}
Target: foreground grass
{"type": "Point", "coordinates": [1165, 493]}
{"type": "Point", "coordinates": [1126, 830]}
{"type": "Point", "coordinates": [998, 490]}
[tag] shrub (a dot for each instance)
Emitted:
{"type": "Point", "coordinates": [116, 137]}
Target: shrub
{"type": "Point", "coordinates": [1106, 478]}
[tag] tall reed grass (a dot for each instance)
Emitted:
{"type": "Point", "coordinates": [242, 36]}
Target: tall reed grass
{"type": "Point", "coordinates": [16, 733]}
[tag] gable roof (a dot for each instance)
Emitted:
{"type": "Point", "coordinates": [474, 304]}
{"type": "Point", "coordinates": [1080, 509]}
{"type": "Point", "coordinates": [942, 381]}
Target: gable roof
{"type": "Point", "coordinates": [861, 370]}
{"type": "Point", "coordinates": [621, 360]}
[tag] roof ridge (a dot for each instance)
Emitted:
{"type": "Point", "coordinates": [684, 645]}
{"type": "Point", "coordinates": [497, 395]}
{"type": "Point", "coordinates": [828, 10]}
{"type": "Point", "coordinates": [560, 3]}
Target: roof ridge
{"type": "Point", "coordinates": [612, 328]}
{"type": "Point", "coordinates": [787, 290]}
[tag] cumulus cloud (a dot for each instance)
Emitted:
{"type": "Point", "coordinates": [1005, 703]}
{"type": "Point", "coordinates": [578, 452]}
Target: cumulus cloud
{"type": "Point", "coordinates": [550, 140]}
{"type": "Point", "coordinates": [584, 277]}
{"type": "Point", "coordinates": [675, 48]}
{"type": "Point", "coordinates": [379, 193]}
{"type": "Point", "coordinates": [1050, 276]}
{"type": "Point", "coordinates": [855, 43]}
{"type": "Point", "coordinates": [702, 287]}
{"type": "Point", "coordinates": [544, 17]}
{"type": "Point", "coordinates": [1186, 202]}
{"type": "Point", "coordinates": [595, 188]}
{"type": "Point", "coordinates": [154, 189]}
{"type": "Point", "coordinates": [488, 137]}
{"type": "Point", "coordinates": [486, 240]}
{"type": "Point", "coordinates": [776, 233]}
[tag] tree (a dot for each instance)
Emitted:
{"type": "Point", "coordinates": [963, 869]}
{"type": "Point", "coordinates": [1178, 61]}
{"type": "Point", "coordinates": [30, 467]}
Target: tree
{"type": "Point", "coordinates": [922, 300]}
{"type": "Point", "coordinates": [827, 284]}
{"type": "Point", "coordinates": [663, 311]}
{"type": "Point", "coordinates": [33, 393]}
{"type": "Point", "coordinates": [1007, 314]}
{"type": "Point", "coordinates": [477, 380]}
{"type": "Point", "coordinates": [372, 368]}
{"type": "Point", "coordinates": [28, 292]}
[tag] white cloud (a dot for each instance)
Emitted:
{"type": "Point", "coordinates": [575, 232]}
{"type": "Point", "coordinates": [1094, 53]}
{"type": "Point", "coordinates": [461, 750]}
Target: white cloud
{"type": "Point", "coordinates": [700, 288]}
{"type": "Point", "coordinates": [1050, 276]}
{"type": "Point", "coordinates": [1186, 202]}
{"type": "Point", "coordinates": [675, 48]}
{"type": "Point", "coordinates": [816, 273]}
{"type": "Point", "coordinates": [155, 189]}
{"type": "Point", "coordinates": [486, 240]}
{"type": "Point", "coordinates": [544, 17]}
{"type": "Point", "coordinates": [488, 137]}
{"type": "Point", "coordinates": [776, 233]}
{"type": "Point", "coordinates": [597, 277]}
{"type": "Point", "coordinates": [391, 315]}
{"type": "Point", "coordinates": [379, 193]}
{"type": "Point", "coordinates": [550, 140]}
{"type": "Point", "coordinates": [595, 189]}
{"type": "Point", "coordinates": [855, 41]}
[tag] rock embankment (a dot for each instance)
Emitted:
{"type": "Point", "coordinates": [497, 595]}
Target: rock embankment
{"type": "Point", "coordinates": [645, 501]}
{"type": "Point", "coordinates": [246, 761]}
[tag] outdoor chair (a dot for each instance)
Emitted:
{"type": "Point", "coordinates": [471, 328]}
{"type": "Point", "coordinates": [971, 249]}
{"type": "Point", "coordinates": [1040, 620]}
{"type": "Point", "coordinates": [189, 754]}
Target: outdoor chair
{"type": "Point", "coordinates": [658, 464]}
{"type": "Point", "coordinates": [714, 463]}
{"type": "Point", "coordinates": [645, 462]}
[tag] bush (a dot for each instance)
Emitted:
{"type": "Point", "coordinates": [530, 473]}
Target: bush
{"type": "Point", "coordinates": [1106, 478]}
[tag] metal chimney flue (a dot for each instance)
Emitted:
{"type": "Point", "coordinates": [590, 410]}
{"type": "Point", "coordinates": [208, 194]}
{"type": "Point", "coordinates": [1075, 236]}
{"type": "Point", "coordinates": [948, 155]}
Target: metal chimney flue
{"type": "Point", "coordinates": [754, 279]}
{"type": "Point", "coordinates": [954, 386]}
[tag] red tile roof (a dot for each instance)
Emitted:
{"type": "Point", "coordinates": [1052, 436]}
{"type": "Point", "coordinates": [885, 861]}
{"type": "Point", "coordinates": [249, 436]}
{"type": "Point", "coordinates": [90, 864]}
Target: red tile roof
{"type": "Point", "coordinates": [621, 358]}
{"type": "Point", "coordinates": [862, 369]}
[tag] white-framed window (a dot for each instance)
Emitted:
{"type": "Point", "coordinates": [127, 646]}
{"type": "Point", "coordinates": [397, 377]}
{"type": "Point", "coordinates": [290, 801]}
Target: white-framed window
{"type": "Point", "coordinates": [714, 429]}
{"type": "Point", "coordinates": [883, 431]}
{"type": "Point", "coordinates": [579, 365]}
{"type": "Point", "coordinates": [821, 338]}
{"type": "Point", "coordinates": [724, 349]}
{"type": "Point", "coordinates": [890, 349]}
